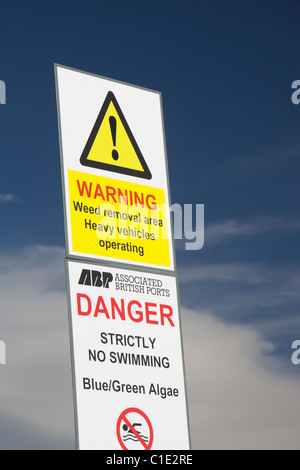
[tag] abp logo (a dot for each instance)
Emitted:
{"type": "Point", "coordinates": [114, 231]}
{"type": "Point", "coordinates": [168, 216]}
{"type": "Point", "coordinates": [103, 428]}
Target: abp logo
{"type": "Point", "coordinates": [95, 278]}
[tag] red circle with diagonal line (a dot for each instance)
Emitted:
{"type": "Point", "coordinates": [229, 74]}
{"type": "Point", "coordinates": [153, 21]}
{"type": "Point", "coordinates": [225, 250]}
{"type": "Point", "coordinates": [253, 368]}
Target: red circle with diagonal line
{"type": "Point", "coordinates": [126, 418]}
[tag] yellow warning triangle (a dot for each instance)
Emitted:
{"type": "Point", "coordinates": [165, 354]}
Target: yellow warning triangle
{"type": "Point", "coordinates": [111, 145]}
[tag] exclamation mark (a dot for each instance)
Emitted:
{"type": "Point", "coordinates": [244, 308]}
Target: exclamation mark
{"type": "Point", "coordinates": [113, 130]}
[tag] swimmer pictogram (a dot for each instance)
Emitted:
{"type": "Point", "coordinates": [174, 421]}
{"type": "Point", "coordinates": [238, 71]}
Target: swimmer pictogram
{"type": "Point", "coordinates": [134, 430]}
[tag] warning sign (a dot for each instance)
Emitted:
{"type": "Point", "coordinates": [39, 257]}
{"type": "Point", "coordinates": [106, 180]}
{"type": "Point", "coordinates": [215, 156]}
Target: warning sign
{"type": "Point", "coordinates": [134, 430]}
{"type": "Point", "coordinates": [127, 362]}
{"type": "Point", "coordinates": [127, 355]}
{"type": "Point", "coordinates": [123, 221]}
{"type": "Point", "coordinates": [114, 171]}
{"type": "Point", "coordinates": [111, 145]}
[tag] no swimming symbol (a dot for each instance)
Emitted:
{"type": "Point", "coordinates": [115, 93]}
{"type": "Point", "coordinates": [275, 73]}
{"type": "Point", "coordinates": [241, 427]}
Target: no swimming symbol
{"type": "Point", "coordinates": [134, 430]}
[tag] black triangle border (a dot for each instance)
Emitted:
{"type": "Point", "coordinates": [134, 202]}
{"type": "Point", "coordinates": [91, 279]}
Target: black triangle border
{"type": "Point", "coordinates": [110, 97]}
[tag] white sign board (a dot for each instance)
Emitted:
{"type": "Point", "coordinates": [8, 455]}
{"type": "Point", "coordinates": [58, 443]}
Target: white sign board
{"type": "Point", "coordinates": [114, 169]}
{"type": "Point", "coordinates": [127, 359]}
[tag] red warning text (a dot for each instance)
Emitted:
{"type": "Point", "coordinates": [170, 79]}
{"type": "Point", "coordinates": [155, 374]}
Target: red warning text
{"type": "Point", "coordinates": [133, 310]}
{"type": "Point", "coordinates": [114, 195]}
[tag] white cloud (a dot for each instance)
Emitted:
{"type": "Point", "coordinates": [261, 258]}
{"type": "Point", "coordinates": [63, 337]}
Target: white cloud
{"type": "Point", "coordinates": [228, 230]}
{"type": "Point", "coordinates": [8, 197]}
{"type": "Point", "coordinates": [250, 273]}
{"type": "Point", "coordinates": [252, 292]}
{"type": "Point", "coordinates": [225, 230]}
{"type": "Point", "coordinates": [35, 393]}
{"type": "Point", "coordinates": [238, 396]}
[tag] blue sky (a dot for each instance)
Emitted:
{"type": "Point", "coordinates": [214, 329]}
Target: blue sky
{"type": "Point", "coordinates": [225, 71]}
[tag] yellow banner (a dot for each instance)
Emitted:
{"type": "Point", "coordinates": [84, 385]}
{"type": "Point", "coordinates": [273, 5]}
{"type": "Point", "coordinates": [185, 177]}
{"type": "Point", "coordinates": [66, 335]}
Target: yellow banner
{"type": "Point", "coordinates": [117, 219]}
